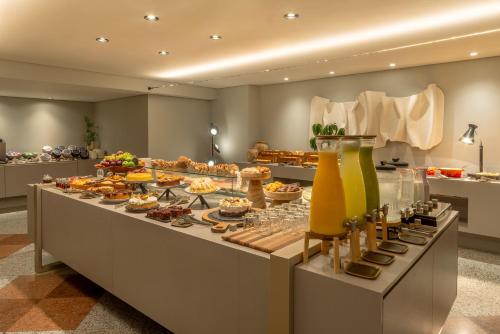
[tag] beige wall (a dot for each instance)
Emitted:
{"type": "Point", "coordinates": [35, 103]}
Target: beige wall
{"type": "Point", "coordinates": [178, 126]}
{"type": "Point", "coordinates": [236, 113]}
{"type": "Point", "coordinates": [123, 124]}
{"type": "Point", "coordinates": [28, 124]}
{"type": "Point", "coordinates": [472, 94]}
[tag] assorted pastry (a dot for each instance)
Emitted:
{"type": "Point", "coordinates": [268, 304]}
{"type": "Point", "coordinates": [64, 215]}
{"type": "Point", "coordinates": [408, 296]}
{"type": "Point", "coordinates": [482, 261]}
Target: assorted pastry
{"type": "Point", "coordinates": [169, 180]}
{"type": "Point", "coordinates": [81, 183]}
{"type": "Point", "coordinates": [142, 202]}
{"type": "Point", "coordinates": [185, 164]}
{"type": "Point", "coordinates": [121, 194]}
{"type": "Point", "coordinates": [258, 171]}
{"type": "Point", "coordinates": [279, 187]}
{"type": "Point", "coordinates": [202, 185]}
{"type": "Point", "coordinates": [234, 206]}
{"type": "Point", "coordinates": [168, 213]}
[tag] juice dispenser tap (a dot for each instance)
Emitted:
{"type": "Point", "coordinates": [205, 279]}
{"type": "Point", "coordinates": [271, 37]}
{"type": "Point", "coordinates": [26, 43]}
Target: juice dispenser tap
{"type": "Point", "coordinates": [371, 230]}
{"type": "Point", "coordinates": [353, 224]}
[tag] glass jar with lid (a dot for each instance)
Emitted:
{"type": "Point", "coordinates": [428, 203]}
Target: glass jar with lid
{"type": "Point", "coordinates": [407, 192]}
{"type": "Point", "coordinates": [389, 182]}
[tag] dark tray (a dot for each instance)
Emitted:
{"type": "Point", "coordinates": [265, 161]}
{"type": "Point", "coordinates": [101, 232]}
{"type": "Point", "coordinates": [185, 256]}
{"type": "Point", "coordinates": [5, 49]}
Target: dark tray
{"type": "Point", "coordinates": [217, 216]}
{"type": "Point", "coordinates": [378, 257]}
{"type": "Point", "coordinates": [362, 270]}
{"type": "Point", "coordinates": [391, 234]}
{"type": "Point", "coordinates": [432, 217]}
{"type": "Point", "coordinates": [424, 228]}
{"type": "Point", "coordinates": [393, 247]}
{"type": "Point", "coordinates": [412, 239]}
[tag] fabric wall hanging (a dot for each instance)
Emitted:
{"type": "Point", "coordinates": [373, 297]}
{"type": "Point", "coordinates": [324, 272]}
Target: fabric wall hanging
{"type": "Point", "coordinates": [417, 119]}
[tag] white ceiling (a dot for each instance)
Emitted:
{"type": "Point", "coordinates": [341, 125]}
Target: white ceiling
{"type": "Point", "coordinates": [350, 34]}
{"type": "Point", "coordinates": [56, 91]}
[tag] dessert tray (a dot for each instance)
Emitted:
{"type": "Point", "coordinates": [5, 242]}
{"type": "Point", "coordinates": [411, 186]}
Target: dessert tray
{"type": "Point", "coordinates": [141, 210]}
{"type": "Point", "coordinates": [105, 200]}
{"type": "Point", "coordinates": [156, 185]}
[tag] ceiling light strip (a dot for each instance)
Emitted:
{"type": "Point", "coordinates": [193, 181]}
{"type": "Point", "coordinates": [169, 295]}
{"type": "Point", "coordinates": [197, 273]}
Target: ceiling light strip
{"type": "Point", "coordinates": [368, 53]}
{"type": "Point", "coordinates": [466, 14]}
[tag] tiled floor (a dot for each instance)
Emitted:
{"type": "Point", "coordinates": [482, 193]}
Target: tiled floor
{"type": "Point", "coordinates": [65, 302]}
{"type": "Point", "coordinates": [60, 301]}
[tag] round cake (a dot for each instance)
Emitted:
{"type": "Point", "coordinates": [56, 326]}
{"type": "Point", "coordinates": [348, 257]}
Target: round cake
{"type": "Point", "coordinates": [202, 185]}
{"type": "Point", "coordinates": [167, 180]}
{"type": "Point", "coordinates": [234, 206]}
{"type": "Point", "coordinates": [142, 202]}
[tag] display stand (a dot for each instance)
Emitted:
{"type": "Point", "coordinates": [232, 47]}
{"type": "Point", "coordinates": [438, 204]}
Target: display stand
{"type": "Point", "coordinates": [167, 194]}
{"type": "Point", "coordinates": [202, 200]}
{"type": "Point", "coordinates": [255, 193]}
{"type": "Point", "coordinates": [325, 245]}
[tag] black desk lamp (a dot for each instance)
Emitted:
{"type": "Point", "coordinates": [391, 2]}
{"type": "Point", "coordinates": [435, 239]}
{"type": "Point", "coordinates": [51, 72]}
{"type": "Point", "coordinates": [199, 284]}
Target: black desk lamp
{"type": "Point", "coordinates": [468, 138]}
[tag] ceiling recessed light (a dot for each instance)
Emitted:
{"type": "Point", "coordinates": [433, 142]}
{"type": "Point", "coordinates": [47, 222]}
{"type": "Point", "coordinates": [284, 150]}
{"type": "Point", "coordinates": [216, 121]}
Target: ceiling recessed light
{"type": "Point", "coordinates": [102, 39]}
{"type": "Point", "coordinates": [291, 16]}
{"type": "Point", "coordinates": [286, 78]}
{"type": "Point", "coordinates": [215, 37]}
{"type": "Point", "coordinates": [267, 70]}
{"type": "Point", "coordinates": [171, 85]}
{"type": "Point", "coordinates": [163, 53]}
{"type": "Point", "coordinates": [322, 61]}
{"type": "Point", "coordinates": [331, 72]}
{"type": "Point", "coordinates": [151, 18]}
{"type": "Point", "coordinates": [473, 53]}
{"type": "Point", "coordinates": [392, 65]}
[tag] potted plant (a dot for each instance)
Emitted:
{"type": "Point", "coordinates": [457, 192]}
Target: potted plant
{"type": "Point", "coordinates": [327, 130]}
{"type": "Point", "coordinates": [90, 133]}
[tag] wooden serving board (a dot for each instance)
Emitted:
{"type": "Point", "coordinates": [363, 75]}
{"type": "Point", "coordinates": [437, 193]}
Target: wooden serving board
{"type": "Point", "coordinates": [269, 244]}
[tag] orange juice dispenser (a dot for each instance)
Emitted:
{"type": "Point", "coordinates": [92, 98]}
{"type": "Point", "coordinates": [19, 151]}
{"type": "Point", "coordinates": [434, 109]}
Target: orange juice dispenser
{"type": "Point", "coordinates": [328, 209]}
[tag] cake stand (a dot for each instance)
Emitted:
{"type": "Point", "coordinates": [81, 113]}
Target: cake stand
{"type": "Point", "coordinates": [167, 190]}
{"type": "Point", "coordinates": [199, 196]}
{"type": "Point", "coordinates": [283, 197]}
{"type": "Point", "coordinates": [255, 193]}
{"type": "Point", "coordinates": [140, 184]}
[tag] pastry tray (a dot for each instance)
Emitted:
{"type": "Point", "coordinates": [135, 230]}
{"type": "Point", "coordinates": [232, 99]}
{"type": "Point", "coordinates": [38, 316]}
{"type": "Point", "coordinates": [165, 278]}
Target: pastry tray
{"type": "Point", "coordinates": [412, 239]}
{"type": "Point", "coordinates": [362, 270]}
{"type": "Point", "coordinates": [393, 247]}
{"type": "Point", "coordinates": [378, 257]}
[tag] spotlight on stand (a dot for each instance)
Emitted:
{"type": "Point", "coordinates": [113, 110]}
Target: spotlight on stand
{"type": "Point", "coordinates": [468, 138]}
{"type": "Point", "coordinates": [214, 130]}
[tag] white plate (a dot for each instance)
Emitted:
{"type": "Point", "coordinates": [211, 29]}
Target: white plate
{"type": "Point", "coordinates": [188, 190]}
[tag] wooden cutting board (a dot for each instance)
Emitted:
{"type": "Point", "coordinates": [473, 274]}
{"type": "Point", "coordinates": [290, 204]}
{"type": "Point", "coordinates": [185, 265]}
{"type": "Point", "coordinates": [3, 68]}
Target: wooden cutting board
{"type": "Point", "coordinates": [269, 244]}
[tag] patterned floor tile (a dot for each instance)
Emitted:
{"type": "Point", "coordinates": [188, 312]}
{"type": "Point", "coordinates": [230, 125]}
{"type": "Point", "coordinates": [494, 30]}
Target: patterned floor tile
{"type": "Point", "coordinates": [11, 243]}
{"type": "Point", "coordinates": [31, 287]}
{"type": "Point", "coordinates": [55, 314]}
{"type": "Point", "coordinates": [12, 310]}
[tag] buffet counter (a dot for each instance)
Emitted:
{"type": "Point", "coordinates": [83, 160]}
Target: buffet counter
{"type": "Point", "coordinates": [412, 295]}
{"type": "Point", "coordinates": [175, 275]}
{"type": "Point", "coordinates": [15, 177]}
{"type": "Point", "coordinates": [481, 218]}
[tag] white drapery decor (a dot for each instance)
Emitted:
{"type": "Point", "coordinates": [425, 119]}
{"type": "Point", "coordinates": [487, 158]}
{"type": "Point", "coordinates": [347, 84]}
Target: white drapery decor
{"type": "Point", "coordinates": [416, 119]}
